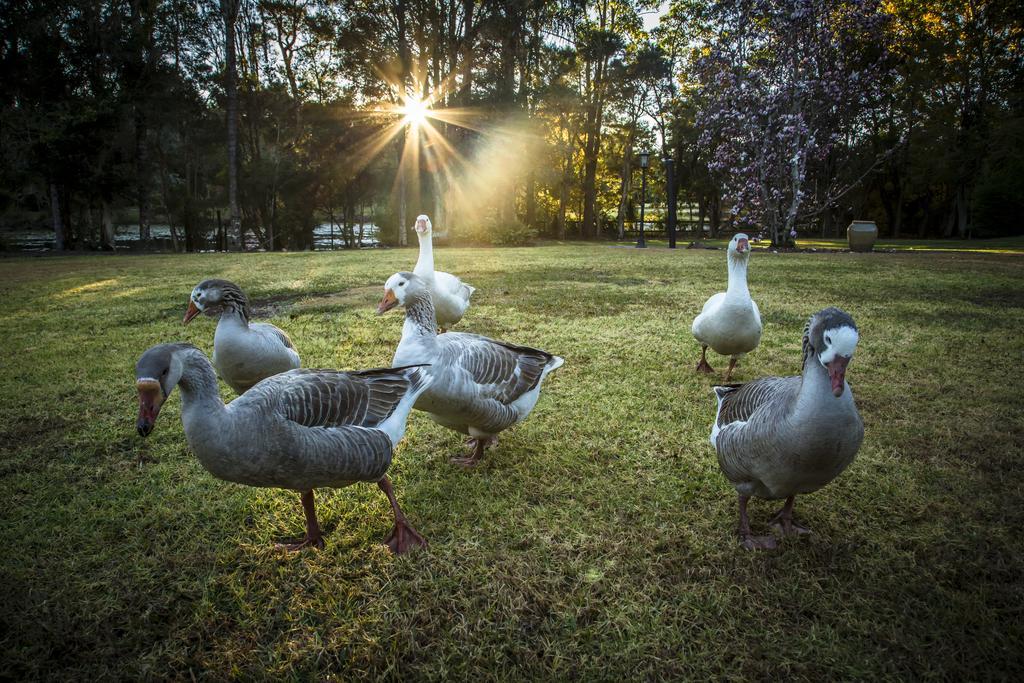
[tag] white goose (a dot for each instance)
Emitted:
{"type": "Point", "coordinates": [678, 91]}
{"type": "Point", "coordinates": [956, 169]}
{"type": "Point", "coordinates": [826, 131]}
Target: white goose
{"type": "Point", "coordinates": [298, 430]}
{"type": "Point", "coordinates": [481, 386]}
{"type": "Point", "coordinates": [778, 437]}
{"type": "Point", "coordinates": [729, 322]}
{"type": "Point", "coordinates": [450, 294]}
{"type": "Point", "coordinates": [243, 353]}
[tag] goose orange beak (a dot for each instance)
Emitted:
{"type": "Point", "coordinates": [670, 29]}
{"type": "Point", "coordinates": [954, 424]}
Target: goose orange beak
{"type": "Point", "coordinates": [837, 374]}
{"type": "Point", "coordinates": [192, 312]}
{"type": "Point", "coordinates": [151, 399]}
{"type": "Point", "coordinates": [387, 303]}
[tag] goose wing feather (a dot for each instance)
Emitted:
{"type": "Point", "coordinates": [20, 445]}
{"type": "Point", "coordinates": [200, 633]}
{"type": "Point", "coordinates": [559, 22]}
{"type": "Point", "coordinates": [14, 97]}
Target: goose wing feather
{"type": "Point", "coordinates": [274, 332]}
{"type": "Point", "coordinates": [333, 421]}
{"type": "Point", "coordinates": [744, 400]}
{"type": "Point", "coordinates": [749, 418]}
{"type": "Point", "coordinates": [331, 398]}
{"type": "Point", "coordinates": [501, 371]}
{"type": "Point", "coordinates": [451, 284]}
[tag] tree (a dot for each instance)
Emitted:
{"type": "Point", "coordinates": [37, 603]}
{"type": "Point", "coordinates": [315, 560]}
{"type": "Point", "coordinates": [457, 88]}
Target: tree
{"type": "Point", "coordinates": [784, 84]}
{"type": "Point", "coordinates": [229, 12]}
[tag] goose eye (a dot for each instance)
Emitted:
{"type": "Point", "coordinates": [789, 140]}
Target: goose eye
{"type": "Point", "coordinates": [828, 339]}
{"type": "Point", "coordinates": [401, 284]}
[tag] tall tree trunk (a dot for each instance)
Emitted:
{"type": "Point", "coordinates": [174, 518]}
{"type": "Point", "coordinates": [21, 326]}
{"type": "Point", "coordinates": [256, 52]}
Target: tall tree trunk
{"type": "Point", "coordinates": [362, 226]}
{"type": "Point", "coordinates": [229, 10]}
{"type": "Point", "coordinates": [142, 174]}
{"type": "Point", "coordinates": [963, 216]}
{"type": "Point", "coordinates": [702, 209]}
{"type": "Point", "coordinates": [406, 67]}
{"type": "Point", "coordinates": [563, 189]}
{"type": "Point", "coordinates": [402, 200]}
{"type": "Point", "coordinates": [468, 32]}
{"type": "Point", "coordinates": [590, 226]}
{"type": "Point", "coordinates": [592, 147]}
{"type": "Point", "coordinates": [107, 238]}
{"type": "Point", "coordinates": [624, 186]}
{"type": "Point", "coordinates": [59, 234]}
{"type": "Point", "coordinates": [716, 215]}
{"type": "Point", "coordinates": [531, 197]}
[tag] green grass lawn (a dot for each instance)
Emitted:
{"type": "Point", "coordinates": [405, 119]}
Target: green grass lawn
{"type": "Point", "coordinates": [596, 541]}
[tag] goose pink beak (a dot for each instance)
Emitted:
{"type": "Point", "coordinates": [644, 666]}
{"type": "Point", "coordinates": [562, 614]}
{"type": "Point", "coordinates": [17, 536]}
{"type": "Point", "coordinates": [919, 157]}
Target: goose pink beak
{"type": "Point", "coordinates": [837, 374]}
{"type": "Point", "coordinates": [192, 312]}
{"type": "Point", "coordinates": [151, 399]}
{"type": "Point", "coordinates": [742, 245]}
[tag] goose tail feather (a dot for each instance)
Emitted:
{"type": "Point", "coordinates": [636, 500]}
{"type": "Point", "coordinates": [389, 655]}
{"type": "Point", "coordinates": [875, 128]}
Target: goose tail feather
{"type": "Point", "coordinates": [419, 381]}
{"type": "Point", "coordinates": [721, 392]}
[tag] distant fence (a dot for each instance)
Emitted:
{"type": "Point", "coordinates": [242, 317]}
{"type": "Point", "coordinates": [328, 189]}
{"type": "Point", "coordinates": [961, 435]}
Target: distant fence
{"type": "Point", "coordinates": [659, 230]}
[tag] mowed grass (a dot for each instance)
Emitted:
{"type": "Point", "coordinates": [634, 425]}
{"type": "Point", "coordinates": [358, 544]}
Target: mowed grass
{"type": "Point", "coordinates": [996, 245]}
{"type": "Point", "coordinates": [597, 541]}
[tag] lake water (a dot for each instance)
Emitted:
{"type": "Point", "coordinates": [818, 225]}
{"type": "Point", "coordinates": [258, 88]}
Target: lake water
{"type": "Point", "coordinates": [127, 236]}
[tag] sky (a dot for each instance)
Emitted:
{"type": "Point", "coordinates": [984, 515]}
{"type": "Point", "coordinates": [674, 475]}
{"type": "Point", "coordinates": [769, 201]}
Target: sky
{"type": "Point", "coordinates": [652, 18]}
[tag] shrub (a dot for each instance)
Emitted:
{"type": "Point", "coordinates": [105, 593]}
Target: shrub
{"type": "Point", "coordinates": [494, 231]}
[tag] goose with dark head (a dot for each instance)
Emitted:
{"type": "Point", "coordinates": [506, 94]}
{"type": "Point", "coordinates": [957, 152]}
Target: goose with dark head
{"type": "Point", "coordinates": [298, 430]}
{"type": "Point", "coordinates": [244, 352]}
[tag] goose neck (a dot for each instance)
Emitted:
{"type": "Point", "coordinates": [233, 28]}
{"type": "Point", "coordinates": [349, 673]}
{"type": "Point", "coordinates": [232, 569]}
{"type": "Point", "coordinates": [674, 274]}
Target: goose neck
{"type": "Point", "coordinates": [816, 389]}
{"type": "Point", "coordinates": [738, 278]}
{"type": "Point", "coordinates": [425, 263]}
{"type": "Point", "coordinates": [232, 321]}
{"type": "Point", "coordinates": [420, 319]}
{"type": "Point", "coordinates": [199, 392]}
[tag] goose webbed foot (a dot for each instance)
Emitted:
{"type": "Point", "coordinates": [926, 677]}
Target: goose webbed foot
{"type": "Point", "coordinates": [747, 539]}
{"type": "Point", "coordinates": [703, 366]}
{"type": "Point", "coordinates": [783, 522]}
{"type": "Point", "coordinates": [313, 537]}
{"type": "Point", "coordinates": [403, 537]}
{"type": "Point", "coordinates": [477, 445]}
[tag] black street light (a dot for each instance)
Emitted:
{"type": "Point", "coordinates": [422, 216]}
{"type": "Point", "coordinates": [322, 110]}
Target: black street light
{"type": "Point", "coordinates": [645, 160]}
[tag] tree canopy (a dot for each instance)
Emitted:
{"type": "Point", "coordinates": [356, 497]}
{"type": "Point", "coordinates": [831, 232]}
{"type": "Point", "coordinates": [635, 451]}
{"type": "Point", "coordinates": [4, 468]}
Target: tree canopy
{"type": "Point", "coordinates": [250, 122]}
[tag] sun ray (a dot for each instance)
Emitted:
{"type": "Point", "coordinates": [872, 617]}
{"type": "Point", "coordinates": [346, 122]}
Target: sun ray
{"type": "Point", "coordinates": [459, 117]}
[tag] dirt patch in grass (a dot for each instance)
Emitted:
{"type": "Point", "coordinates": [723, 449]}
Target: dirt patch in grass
{"type": "Point", "coordinates": [291, 304]}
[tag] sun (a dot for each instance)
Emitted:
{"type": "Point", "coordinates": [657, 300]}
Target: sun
{"type": "Point", "coordinates": [414, 111]}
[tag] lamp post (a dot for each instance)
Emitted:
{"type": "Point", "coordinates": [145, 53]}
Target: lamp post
{"type": "Point", "coordinates": [670, 220]}
{"type": "Point", "coordinates": [645, 160]}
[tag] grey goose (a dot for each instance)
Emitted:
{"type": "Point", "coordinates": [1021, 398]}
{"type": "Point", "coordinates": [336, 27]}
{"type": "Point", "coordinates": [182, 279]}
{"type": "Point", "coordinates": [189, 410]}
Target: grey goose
{"type": "Point", "coordinates": [298, 430]}
{"type": "Point", "coordinates": [481, 386]}
{"type": "Point", "coordinates": [778, 437]}
{"type": "Point", "coordinates": [244, 352]}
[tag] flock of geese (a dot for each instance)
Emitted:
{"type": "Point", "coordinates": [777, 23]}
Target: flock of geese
{"type": "Point", "coordinates": [303, 429]}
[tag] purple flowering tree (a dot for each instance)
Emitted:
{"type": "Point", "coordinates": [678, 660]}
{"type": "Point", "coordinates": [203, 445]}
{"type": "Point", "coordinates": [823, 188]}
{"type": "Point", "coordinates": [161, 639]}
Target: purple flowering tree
{"type": "Point", "coordinates": [786, 86]}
